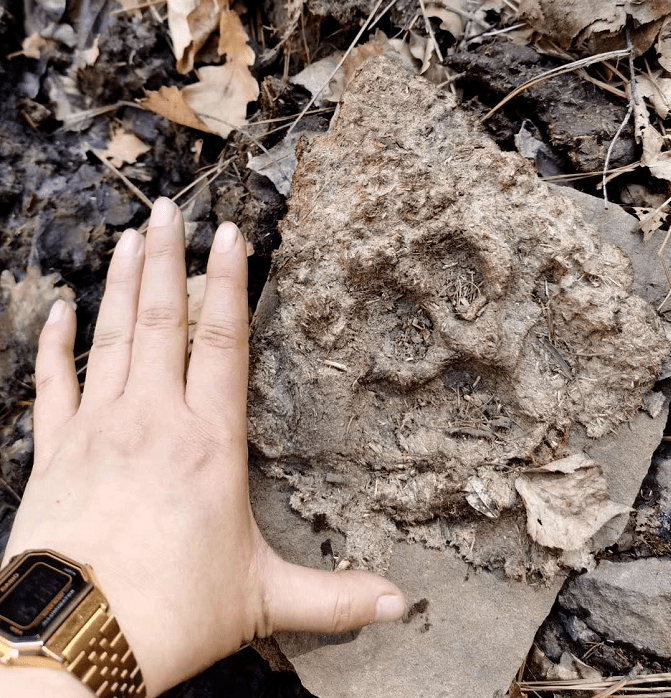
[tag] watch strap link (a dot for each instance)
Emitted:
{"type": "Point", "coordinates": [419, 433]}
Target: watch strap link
{"type": "Point", "coordinates": [98, 653]}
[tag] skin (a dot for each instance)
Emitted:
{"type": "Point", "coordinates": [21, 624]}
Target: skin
{"type": "Point", "coordinates": [144, 475]}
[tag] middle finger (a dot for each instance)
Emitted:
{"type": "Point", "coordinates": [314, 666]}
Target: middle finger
{"type": "Point", "coordinates": [159, 344]}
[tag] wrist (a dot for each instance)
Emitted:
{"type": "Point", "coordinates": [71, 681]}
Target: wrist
{"type": "Point", "coordinates": [34, 682]}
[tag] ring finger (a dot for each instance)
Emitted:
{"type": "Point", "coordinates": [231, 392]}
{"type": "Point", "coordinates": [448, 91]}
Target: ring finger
{"type": "Point", "coordinates": [109, 360]}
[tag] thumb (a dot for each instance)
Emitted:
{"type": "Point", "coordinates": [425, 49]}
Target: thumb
{"type": "Point", "coordinates": [329, 602]}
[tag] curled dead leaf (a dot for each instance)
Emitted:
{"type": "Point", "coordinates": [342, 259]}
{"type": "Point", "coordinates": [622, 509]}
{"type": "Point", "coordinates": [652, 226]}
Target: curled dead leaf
{"type": "Point", "coordinates": [663, 45]}
{"type": "Point", "coordinates": [657, 90]}
{"type": "Point", "coordinates": [233, 39]}
{"type": "Point", "coordinates": [220, 99]}
{"type": "Point", "coordinates": [191, 23]}
{"type": "Point", "coordinates": [592, 23]}
{"type": "Point", "coordinates": [566, 502]}
{"type": "Point", "coordinates": [651, 220]}
{"type": "Point", "coordinates": [451, 21]}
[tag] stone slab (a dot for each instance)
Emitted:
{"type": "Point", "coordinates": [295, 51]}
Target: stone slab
{"type": "Point", "coordinates": [468, 643]}
{"type": "Point", "coordinates": [625, 458]}
{"type": "Point", "coordinates": [621, 229]}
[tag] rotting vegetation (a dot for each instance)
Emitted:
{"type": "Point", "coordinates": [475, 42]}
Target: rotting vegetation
{"type": "Point", "coordinates": [434, 314]}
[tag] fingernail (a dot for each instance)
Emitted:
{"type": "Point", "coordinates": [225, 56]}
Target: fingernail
{"type": "Point", "coordinates": [389, 608]}
{"type": "Point", "coordinates": [129, 242]}
{"type": "Point", "coordinates": [163, 213]}
{"type": "Point", "coordinates": [225, 237]}
{"type": "Point", "coordinates": [56, 313]}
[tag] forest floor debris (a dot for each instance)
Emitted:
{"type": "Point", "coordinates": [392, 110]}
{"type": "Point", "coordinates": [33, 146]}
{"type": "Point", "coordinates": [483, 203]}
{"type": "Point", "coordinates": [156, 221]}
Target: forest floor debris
{"type": "Point", "coordinates": [83, 153]}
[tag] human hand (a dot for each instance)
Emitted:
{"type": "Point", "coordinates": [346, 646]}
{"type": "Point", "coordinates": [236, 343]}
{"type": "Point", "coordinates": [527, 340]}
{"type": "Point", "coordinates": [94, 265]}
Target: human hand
{"type": "Point", "coordinates": [144, 475]}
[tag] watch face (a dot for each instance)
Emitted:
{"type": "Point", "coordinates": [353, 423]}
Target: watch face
{"type": "Point", "coordinates": [33, 594]}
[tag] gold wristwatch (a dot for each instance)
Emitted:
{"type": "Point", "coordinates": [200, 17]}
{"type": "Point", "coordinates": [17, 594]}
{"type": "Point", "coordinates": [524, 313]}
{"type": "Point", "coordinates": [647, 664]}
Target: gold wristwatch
{"type": "Point", "coordinates": [53, 614]}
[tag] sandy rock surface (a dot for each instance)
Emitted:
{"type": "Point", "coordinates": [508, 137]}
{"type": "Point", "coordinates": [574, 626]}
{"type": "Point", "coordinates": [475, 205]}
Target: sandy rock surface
{"type": "Point", "coordinates": [435, 314]}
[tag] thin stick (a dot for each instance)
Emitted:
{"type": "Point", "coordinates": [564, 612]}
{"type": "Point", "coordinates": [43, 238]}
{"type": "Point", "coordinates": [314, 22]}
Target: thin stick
{"type": "Point", "coordinates": [601, 84]}
{"type": "Point", "coordinates": [585, 175]}
{"type": "Point", "coordinates": [87, 114]}
{"type": "Point", "coordinates": [340, 63]}
{"type": "Point", "coordinates": [583, 62]}
{"type": "Point", "coordinates": [383, 13]}
{"type": "Point", "coordinates": [429, 28]}
{"type": "Point", "coordinates": [496, 32]}
{"type": "Point", "coordinates": [625, 121]}
{"type": "Point", "coordinates": [288, 118]}
{"type": "Point", "coordinates": [123, 178]}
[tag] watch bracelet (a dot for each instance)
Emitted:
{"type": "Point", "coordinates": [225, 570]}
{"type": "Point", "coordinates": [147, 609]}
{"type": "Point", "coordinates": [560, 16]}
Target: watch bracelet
{"type": "Point", "coordinates": [98, 653]}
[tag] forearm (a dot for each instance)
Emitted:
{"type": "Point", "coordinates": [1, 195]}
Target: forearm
{"type": "Point", "coordinates": [40, 683]}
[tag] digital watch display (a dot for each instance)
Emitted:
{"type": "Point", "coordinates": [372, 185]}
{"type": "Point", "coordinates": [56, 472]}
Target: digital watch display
{"type": "Point", "coordinates": [35, 593]}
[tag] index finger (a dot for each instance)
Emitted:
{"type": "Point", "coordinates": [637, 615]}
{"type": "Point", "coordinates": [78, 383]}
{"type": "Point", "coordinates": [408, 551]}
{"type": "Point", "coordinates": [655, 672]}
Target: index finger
{"type": "Point", "coordinates": [217, 379]}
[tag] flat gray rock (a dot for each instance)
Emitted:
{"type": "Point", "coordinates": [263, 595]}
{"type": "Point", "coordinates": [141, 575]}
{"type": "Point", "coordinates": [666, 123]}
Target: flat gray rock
{"type": "Point", "coordinates": [621, 229]}
{"type": "Point", "coordinates": [625, 455]}
{"type": "Point", "coordinates": [468, 641]}
{"type": "Point", "coordinates": [626, 602]}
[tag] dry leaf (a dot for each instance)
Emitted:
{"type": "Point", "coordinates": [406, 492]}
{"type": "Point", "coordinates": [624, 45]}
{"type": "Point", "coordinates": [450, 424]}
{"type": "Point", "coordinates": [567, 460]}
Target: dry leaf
{"type": "Point", "coordinates": [191, 24]}
{"type": "Point", "coordinates": [233, 39]}
{"type": "Point", "coordinates": [663, 46]}
{"type": "Point", "coordinates": [220, 98]}
{"type": "Point", "coordinates": [490, 492]}
{"type": "Point", "coordinates": [314, 77]}
{"type": "Point", "coordinates": [651, 220]}
{"type": "Point", "coordinates": [124, 148]}
{"type": "Point", "coordinates": [566, 502]}
{"type": "Point", "coordinates": [658, 162]}
{"type": "Point", "coordinates": [32, 46]}
{"type": "Point", "coordinates": [376, 46]}
{"type": "Point", "coordinates": [581, 20]}
{"type": "Point", "coordinates": [169, 102]}
{"type": "Point", "coordinates": [279, 163]}
{"type": "Point", "coordinates": [421, 48]}
{"type": "Point", "coordinates": [27, 302]}
{"type": "Point", "coordinates": [657, 90]}
{"type": "Point", "coordinates": [451, 21]}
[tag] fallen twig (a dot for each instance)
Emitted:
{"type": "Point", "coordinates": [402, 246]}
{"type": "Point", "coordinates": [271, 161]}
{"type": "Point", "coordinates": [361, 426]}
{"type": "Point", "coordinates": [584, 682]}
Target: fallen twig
{"type": "Point", "coordinates": [627, 116]}
{"type": "Point", "coordinates": [638, 686]}
{"type": "Point", "coordinates": [582, 63]}
{"type": "Point", "coordinates": [122, 177]}
{"type": "Point", "coordinates": [429, 28]}
{"type": "Point", "coordinates": [594, 173]}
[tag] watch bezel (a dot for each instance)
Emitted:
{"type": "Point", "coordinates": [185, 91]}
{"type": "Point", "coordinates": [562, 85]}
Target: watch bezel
{"type": "Point", "coordinates": [14, 643]}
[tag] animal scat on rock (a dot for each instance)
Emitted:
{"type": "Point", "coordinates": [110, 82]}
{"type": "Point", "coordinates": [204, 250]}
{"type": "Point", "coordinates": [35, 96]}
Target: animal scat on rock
{"type": "Point", "coordinates": [434, 312]}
